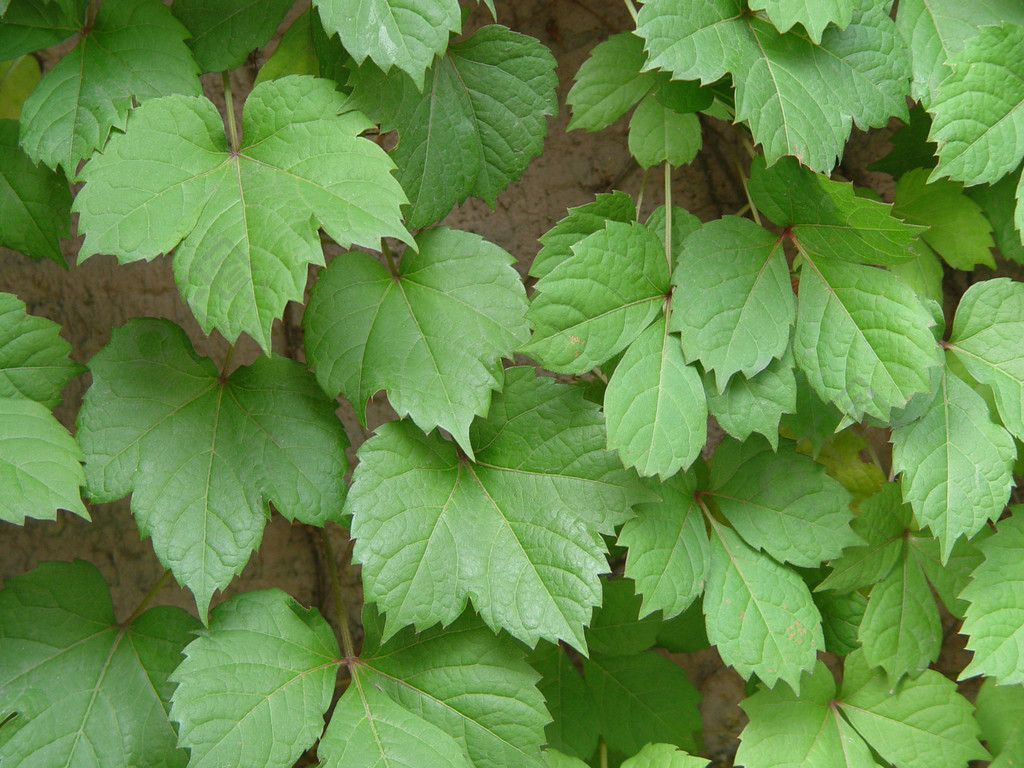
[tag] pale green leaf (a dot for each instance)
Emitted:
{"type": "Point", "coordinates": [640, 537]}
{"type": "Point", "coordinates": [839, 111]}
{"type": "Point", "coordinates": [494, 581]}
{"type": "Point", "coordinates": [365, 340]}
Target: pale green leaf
{"type": "Point", "coordinates": [18, 78]}
{"type": "Point", "coordinates": [812, 15]}
{"type": "Point", "coordinates": [518, 530]}
{"type": "Point", "coordinates": [87, 690]}
{"type": "Point", "coordinates": [407, 34]}
{"type": "Point", "coordinates": [759, 614]}
{"type": "Point", "coordinates": [681, 224]}
{"type": "Point", "coordinates": [243, 225]}
{"type": "Point", "coordinates": [734, 298]}
{"type": "Point", "coordinates": [655, 405]}
{"type": "Point", "coordinates": [609, 83]}
{"type": "Point", "coordinates": [957, 464]}
{"type": "Point", "coordinates": [658, 134]}
{"type": "Point", "coordinates": [474, 128]}
{"type": "Point", "coordinates": [755, 404]}
{"type": "Point", "coordinates": [222, 34]}
{"type": "Point", "coordinates": [994, 622]}
{"type": "Point", "coordinates": [29, 25]}
{"type": "Point", "coordinates": [597, 302]}
{"type": "Point", "coordinates": [978, 110]}
{"type": "Point", "coordinates": [923, 273]}
{"type": "Point", "coordinates": [986, 337]}
{"type": "Point", "coordinates": [781, 501]}
{"type": "Point", "coordinates": [581, 221]}
{"type": "Point", "coordinates": [203, 456]}
{"type": "Point", "coordinates": [555, 759]}
{"type": "Point", "coordinates": [430, 336]}
{"type": "Point", "coordinates": [999, 202]}
{"type": "Point", "coordinates": [33, 357]}
{"type": "Point", "coordinates": [572, 729]}
{"type": "Point", "coordinates": [669, 554]}
{"type": "Point", "coordinates": [664, 756]}
{"type": "Point", "coordinates": [35, 202]}
{"type": "Point", "coordinates": [616, 629]}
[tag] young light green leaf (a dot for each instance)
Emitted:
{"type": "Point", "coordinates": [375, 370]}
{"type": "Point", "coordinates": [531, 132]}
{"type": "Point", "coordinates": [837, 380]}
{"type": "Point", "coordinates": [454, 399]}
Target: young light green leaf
{"type": "Point", "coordinates": [580, 221]}
{"type": "Point", "coordinates": [475, 686]}
{"type": "Point", "coordinates": [957, 229]}
{"type": "Point", "coordinates": [957, 464]}
{"type": "Point", "coordinates": [755, 404]}
{"type": "Point", "coordinates": [642, 698]}
{"type": "Point", "coordinates": [399, 33]}
{"type": "Point", "coordinates": [999, 202]}
{"type": "Point", "coordinates": [430, 336]}
{"type": "Point", "coordinates": [89, 691]}
{"type": "Point", "coordinates": [30, 25]}
{"type": "Point", "coordinates": [781, 502]}
{"type": "Point", "coordinates": [978, 109]}
{"type": "Point", "coordinates": [669, 554]}
{"type": "Point", "coordinates": [609, 83]}
{"type": "Point", "coordinates": [994, 623]}
{"type": "Point", "coordinates": [659, 134]}
{"type": "Point", "coordinates": [254, 687]}
{"type": "Point", "coordinates": [799, 98]}
{"type": "Point", "coordinates": [736, 299]}
{"type": "Point", "coordinates": [134, 50]}
{"type": "Point", "coordinates": [35, 202]}
{"type": "Point", "coordinates": [572, 730]}
{"type": "Point", "coordinates": [555, 759]}
{"type": "Point", "coordinates": [841, 615]}
{"type": "Point", "coordinates": [598, 302]}
{"type": "Point", "coordinates": [202, 455]}
{"type": "Point", "coordinates": [923, 273]}
{"type": "Point", "coordinates": [616, 629]}
{"type": "Point", "coordinates": [862, 337]}
{"type": "Point", "coordinates": [664, 756]}
{"type": "Point", "coordinates": [221, 35]}
{"type": "Point", "coordinates": [475, 126]}
{"type": "Point", "coordinates": [34, 359]}
{"type": "Point", "coordinates": [987, 332]}
{"type": "Point", "coordinates": [18, 78]}
{"type": "Point", "coordinates": [655, 406]}
{"type": "Point", "coordinates": [812, 15]}
{"type": "Point", "coordinates": [243, 224]}
{"type": "Point", "coordinates": [518, 530]}
{"type": "Point", "coordinates": [759, 614]}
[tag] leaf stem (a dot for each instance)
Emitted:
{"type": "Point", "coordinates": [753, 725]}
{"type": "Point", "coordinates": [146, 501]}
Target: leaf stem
{"type": "Point", "coordinates": [340, 606]}
{"type": "Point", "coordinates": [392, 267]}
{"type": "Point", "coordinates": [604, 753]}
{"type": "Point", "coordinates": [224, 369]}
{"type": "Point", "coordinates": [668, 216]}
{"type": "Point", "coordinates": [229, 107]}
{"type": "Point", "coordinates": [746, 191]}
{"type": "Point", "coordinates": [632, 10]}
{"type": "Point", "coordinates": [148, 598]}
{"type": "Point", "coordinates": [90, 13]}
{"type": "Point", "coordinates": [640, 194]}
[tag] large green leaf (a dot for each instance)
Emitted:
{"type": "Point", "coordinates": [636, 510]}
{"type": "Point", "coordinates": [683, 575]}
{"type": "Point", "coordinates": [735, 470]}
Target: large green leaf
{"type": "Point", "coordinates": [596, 303]}
{"type": "Point", "coordinates": [35, 202]}
{"type": "Point", "coordinates": [957, 464]}
{"type": "Point", "coordinates": [243, 224]}
{"type": "Point", "coordinates": [580, 221]}
{"type": "Point", "coordinates": [134, 50]}
{"type": "Point", "coordinates": [659, 134]}
{"type": "Point", "coordinates": [572, 730]}
{"type": "Point", "coordinates": [222, 34]}
{"type": "Point", "coordinates": [254, 687]}
{"type": "Point", "coordinates": [655, 405]}
{"type": "Point", "coordinates": [474, 128]}
{"type": "Point", "coordinates": [87, 691]}
{"type": "Point", "coordinates": [403, 33]}
{"type": "Point", "coordinates": [812, 15]}
{"type": "Point", "coordinates": [755, 404]}
{"type": "Point", "coordinates": [799, 98]}
{"type": "Point", "coordinates": [430, 336]}
{"type": "Point", "coordinates": [609, 83]}
{"type": "Point", "coordinates": [203, 455]}
{"type": "Point", "coordinates": [34, 359]}
{"type": "Point", "coordinates": [518, 530]}
{"type": "Point", "coordinates": [29, 25]}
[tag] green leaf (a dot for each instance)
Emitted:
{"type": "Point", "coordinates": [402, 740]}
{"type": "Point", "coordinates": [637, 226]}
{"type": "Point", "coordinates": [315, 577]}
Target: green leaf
{"type": "Point", "coordinates": [814, 421]}
{"type": "Point", "coordinates": [518, 530]}
{"type": "Point", "coordinates": [999, 202]}
{"type": "Point", "coordinates": [957, 229]}
{"type": "Point", "coordinates": [999, 714]}
{"type": "Point", "coordinates": [254, 687]}
{"type": "Point", "coordinates": [924, 273]}
{"type": "Point", "coordinates": [759, 614]}
{"type": "Point", "coordinates": [468, 682]}
{"type": "Point", "coordinates": [682, 224]}
{"type": "Point", "coordinates": [430, 336]}
{"type": "Point", "coordinates": [978, 110]}
{"type": "Point", "coordinates": [841, 455]}
{"type": "Point", "coordinates": [134, 51]}
{"type": "Point", "coordinates": [994, 623]}
{"type": "Point", "coordinates": [949, 579]}
{"type": "Point", "coordinates": [555, 759]}
{"type": "Point", "coordinates": [684, 633]}
{"type": "Point", "coordinates": [735, 299]}
{"type": "Point", "coordinates": [609, 83]}
{"type": "Point", "coordinates": [396, 33]}
{"type": "Point", "coordinates": [222, 34]}
{"type": "Point", "coordinates": [616, 629]}
{"type": "Point", "coordinates": [597, 302]}
{"type": "Point", "coordinates": [659, 134]}
{"type": "Point", "coordinates": [642, 698]}
{"type": "Point", "coordinates": [986, 337]}
{"type": "Point", "coordinates": [669, 554]}
{"type": "Point", "coordinates": [295, 53]}
{"type": "Point", "coordinates": [799, 98]}
{"type": "Point", "coordinates": [957, 464]}
{"type": "Point", "coordinates": [572, 729]}
{"type": "Point", "coordinates": [655, 405]}
{"type": "Point", "coordinates": [474, 128]}
{"type": "Point", "coordinates": [910, 146]}
{"type": "Point", "coordinates": [664, 756]}
{"type": "Point", "coordinates": [87, 690]}
{"type": "Point", "coordinates": [202, 455]}
{"type": "Point", "coordinates": [813, 15]}
{"type": "Point", "coordinates": [781, 502]}
{"type": "Point", "coordinates": [17, 80]}
{"type": "Point", "coordinates": [35, 202]}
{"type": "Point", "coordinates": [29, 25]}
{"type": "Point", "coordinates": [841, 616]}
{"type": "Point", "coordinates": [243, 225]}
{"type": "Point", "coordinates": [862, 337]}
{"type": "Point", "coordinates": [33, 357]}
{"type": "Point", "coordinates": [581, 221]}
{"type": "Point", "coordinates": [755, 404]}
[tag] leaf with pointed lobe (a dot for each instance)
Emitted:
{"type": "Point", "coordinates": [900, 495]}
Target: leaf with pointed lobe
{"type": "Point", "coordinates": [813, 15]}
{"type": "Point", "coordinates": [555, 759]}
{"type": "Point", "coordinates": [664, 756]}
{"type": "Point", "coordinates": [949, 579]}
{"type": "Point", "coordinates": [910, 146]}
{"type": "Point", "coordinates": [1000, 710]}
{"type": "Point", "coordinates": [30, 25]}
{"type": "Point", "coordinates": [580, 221]}
{"type": "Point", "coordinates": [814, 420]}
{"type": "Point", "coordinates": [572, 730]}
{"type": "Point", "coordinates": [430, 336]}
{"type": "Point", "coordinates": [34, 360]}
{"type": "Point", "coordinates": [683, 223]}
{"type": "Point", "coordinates": [923, 273]}
{"type": "Point", "coordinates": [659, 134]}
{"type": "Point", "coordinates": [295, 53]}
{"type": "Point", "coordinates": [221, 35]}
{"type": "Point", "coordinates": [616, 628]}
{"type": "Point", "coordinates": [609, 83]}
{"type": "Point", "coordinates": [841, 615]}
{"type": "Point", "coordinates": [756, 404]}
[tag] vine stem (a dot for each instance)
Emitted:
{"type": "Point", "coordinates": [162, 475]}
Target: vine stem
{"type": "Point", "coordinates": [604, 753]}
{"type": "Point", "coordinates": [148, 598]}
{"type": "Point", "coordinates": [746, 191]}
{"type": "Point", "coordinates": [632, 10]}
{"type": "Point", "coordinates": [90, 13]}
{"type": "Point", "coordinates": [227, 363]}
{"type": "Point", "coordinates": [229, 107]}
{"type": "Point", "coordinates": [340, 606]}
{"type": "Point", "coordinates": [640, 194]}
{"type": "Point", "coordinates": [392, 267]}
{"type": "Point", "coordinates": [668, 216]}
